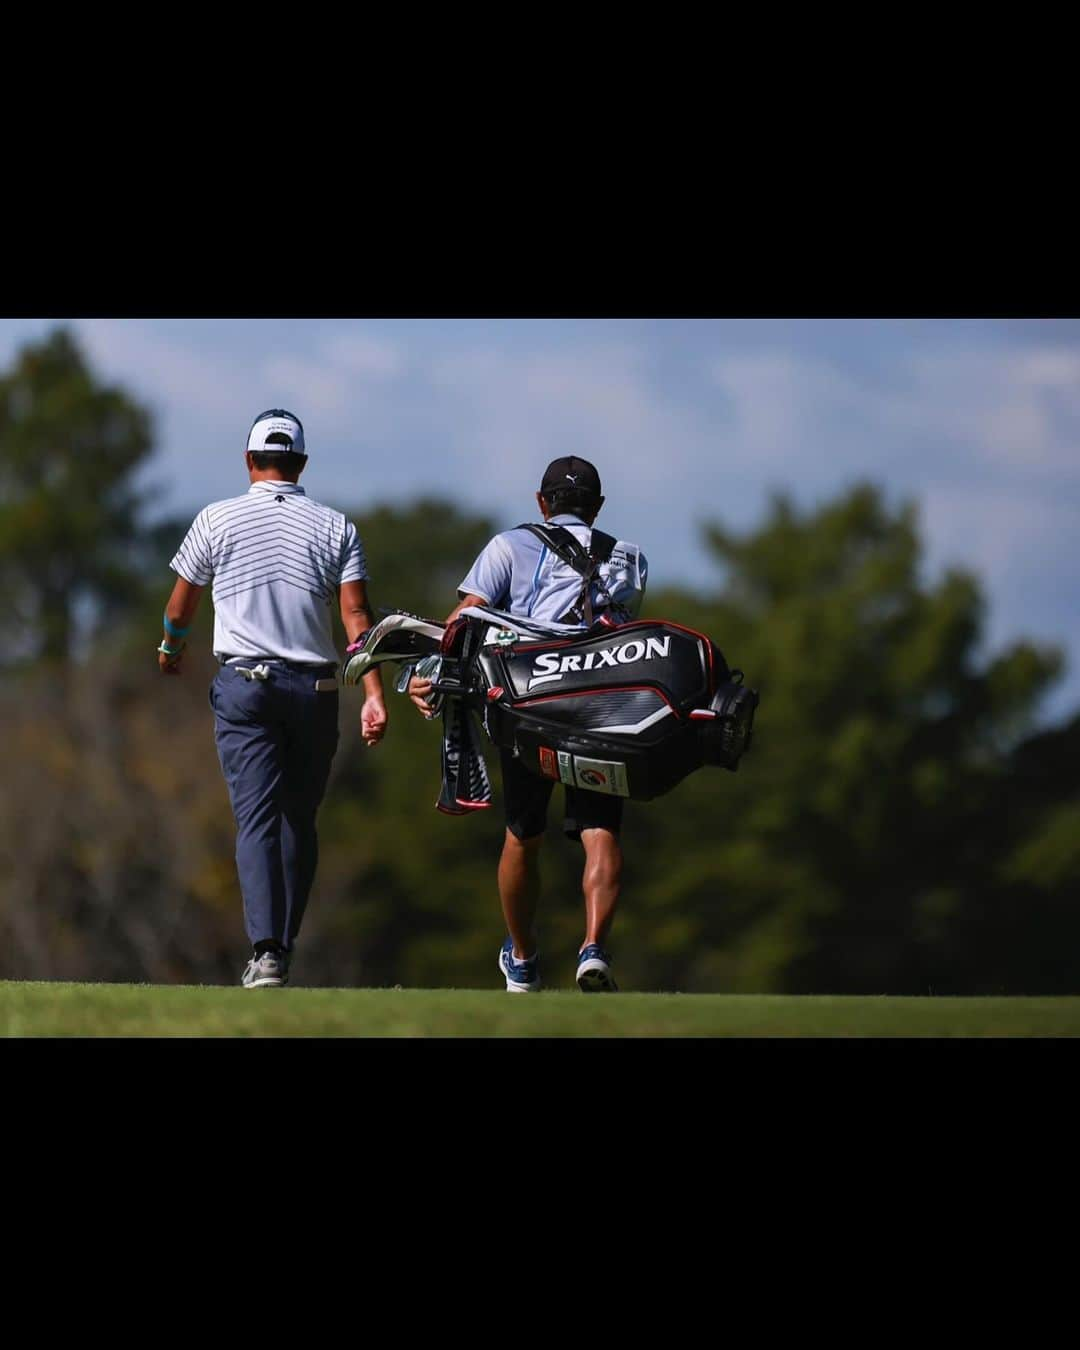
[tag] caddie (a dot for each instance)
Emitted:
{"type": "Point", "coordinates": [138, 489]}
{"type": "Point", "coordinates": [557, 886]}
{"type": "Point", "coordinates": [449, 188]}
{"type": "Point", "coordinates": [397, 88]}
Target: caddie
{"type": "Point", "coordinates": [277, 560]}
{"type": "Point", "coordinates": [529, 572]}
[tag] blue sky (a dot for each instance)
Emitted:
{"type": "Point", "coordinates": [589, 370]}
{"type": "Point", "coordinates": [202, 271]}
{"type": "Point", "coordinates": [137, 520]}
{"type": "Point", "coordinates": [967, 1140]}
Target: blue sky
{"type": "Point", "coordinates": [687, 420]}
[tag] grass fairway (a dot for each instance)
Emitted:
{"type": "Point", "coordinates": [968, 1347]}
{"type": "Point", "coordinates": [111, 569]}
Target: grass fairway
{"type": "Point", "coordinates": [53, 1009]}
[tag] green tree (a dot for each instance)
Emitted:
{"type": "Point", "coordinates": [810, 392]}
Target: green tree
{"type": "Point", "coordinates": [419, 552]}
{"type": "Point", "coordinates": [856, 843]}
{"type": "Point", "coordinates": [69, 510]}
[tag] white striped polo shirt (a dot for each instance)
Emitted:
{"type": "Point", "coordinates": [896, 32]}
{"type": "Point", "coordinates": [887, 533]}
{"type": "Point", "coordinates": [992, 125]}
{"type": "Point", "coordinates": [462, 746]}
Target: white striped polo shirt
{"type": "Point", "coordinates": [276, 559]}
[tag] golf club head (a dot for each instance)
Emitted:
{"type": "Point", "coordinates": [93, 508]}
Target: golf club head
{"type": "Point", "coordinates": [398, 637]}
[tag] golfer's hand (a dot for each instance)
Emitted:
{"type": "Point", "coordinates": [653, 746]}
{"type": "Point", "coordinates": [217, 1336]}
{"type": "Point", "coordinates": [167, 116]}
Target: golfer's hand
{"type": "Point", "coordinates": [169, 665]}
{"type": "Point", "coordinates": [373, 719]}
{"type": "Point", "coordinates": [418, 691]}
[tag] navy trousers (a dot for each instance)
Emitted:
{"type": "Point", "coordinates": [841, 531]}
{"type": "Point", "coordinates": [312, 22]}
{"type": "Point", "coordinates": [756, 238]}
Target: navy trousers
{"type": "Point", "coordinates": [276, 740]}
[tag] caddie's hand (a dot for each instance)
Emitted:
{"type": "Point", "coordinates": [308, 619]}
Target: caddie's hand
{"type": "Point", "coordinates": [418, 691]}
{"type": "Point", "coordinates": [373, 719]}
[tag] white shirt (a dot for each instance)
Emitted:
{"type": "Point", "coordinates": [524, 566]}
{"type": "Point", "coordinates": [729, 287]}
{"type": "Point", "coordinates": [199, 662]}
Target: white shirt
{"type": "Point", "coordinates": [276, 558]}
{"type": "Point", "coordinates": [519, 573]}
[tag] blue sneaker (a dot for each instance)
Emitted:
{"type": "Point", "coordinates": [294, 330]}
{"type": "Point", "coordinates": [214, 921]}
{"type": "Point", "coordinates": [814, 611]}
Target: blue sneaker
{"type": "Point", "coordinates": [594, 971]}
{"type": "Point", "coordinates": [522, 977]}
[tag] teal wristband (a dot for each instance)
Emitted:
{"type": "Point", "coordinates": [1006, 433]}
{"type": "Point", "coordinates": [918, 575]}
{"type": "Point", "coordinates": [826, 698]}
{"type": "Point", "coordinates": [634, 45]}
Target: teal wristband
{"type": "Point", "coordinates": [172, 628]}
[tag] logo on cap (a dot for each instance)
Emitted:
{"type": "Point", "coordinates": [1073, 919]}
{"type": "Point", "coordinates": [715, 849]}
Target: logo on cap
{"type": "Point", "coordinates": [572, 469]}
{"type": "Point", "coordinates": [277, 429]}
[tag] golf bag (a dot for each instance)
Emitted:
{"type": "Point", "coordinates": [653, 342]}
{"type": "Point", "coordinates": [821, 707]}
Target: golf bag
{"type": "Point", "coordinates": [627, 710]}
{"type": "Point", "coordinates": [630, 711]}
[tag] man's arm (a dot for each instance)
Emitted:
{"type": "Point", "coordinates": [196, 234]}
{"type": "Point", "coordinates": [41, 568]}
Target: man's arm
{"type": "Point", "coordinates": [357, 617]}
{"type": "Point", "coordinates": [469, 600]}
{"type": "Point", "coordinates": [179, 614]}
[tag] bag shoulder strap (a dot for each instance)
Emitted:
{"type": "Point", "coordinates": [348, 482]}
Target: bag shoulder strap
{"type": "Point", "coordinates": [585, 562]}
{"type": "Point", "coordinates": [563, 544]}
{"type": "Point", "coordinates": [601, 545]}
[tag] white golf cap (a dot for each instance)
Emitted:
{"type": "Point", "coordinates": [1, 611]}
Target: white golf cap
{"type": "Point", "coordinates": [268, 428]}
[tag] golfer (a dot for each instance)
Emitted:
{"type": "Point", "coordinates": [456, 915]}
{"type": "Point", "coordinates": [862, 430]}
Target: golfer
{"type": "Point", "coordinates": [517, 573]}
{"type": "Point", "coordinates": [277, 559]}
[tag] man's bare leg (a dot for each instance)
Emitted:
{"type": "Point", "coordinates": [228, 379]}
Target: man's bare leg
{"type": "Point", "coordinates": [600, 883]}
{"type": "Point", "coordinates": [519, 891]}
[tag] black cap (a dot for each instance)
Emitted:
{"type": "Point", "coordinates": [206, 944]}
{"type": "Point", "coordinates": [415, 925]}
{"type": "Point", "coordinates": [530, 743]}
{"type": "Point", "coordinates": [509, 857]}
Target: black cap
{"type": "Point", "coordinates": [570, 472]}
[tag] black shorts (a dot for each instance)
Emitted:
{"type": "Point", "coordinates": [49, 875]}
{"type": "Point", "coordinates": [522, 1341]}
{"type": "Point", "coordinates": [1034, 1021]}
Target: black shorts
{"type": "Point", "coordinates": [526, 796]}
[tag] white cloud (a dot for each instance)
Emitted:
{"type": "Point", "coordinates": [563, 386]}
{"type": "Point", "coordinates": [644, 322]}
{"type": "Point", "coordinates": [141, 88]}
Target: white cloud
{"type": "Point", "coordinates": [321, 373]}
{"type": "Point", "coordinates": [515, 412]}
{"type": "Point", "coordinates": [362, 354]}
{"type": "Point", "coordinates": [302, 383]}
{"type": "Point", "coordinates": [1004, 410]}
{"type": "Point", "coordinates": [792, 415]}
{"type": "Point", "coordinates": [177, 375]}
{"type": "Point", "coordinates": [1050, 367]}
{"type": "Point", "coordinates": [1009, 535]}
{"type": "Point", "coordinates": [346, 370]}
{"type": "Point", "coordinates": [943, 415]}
